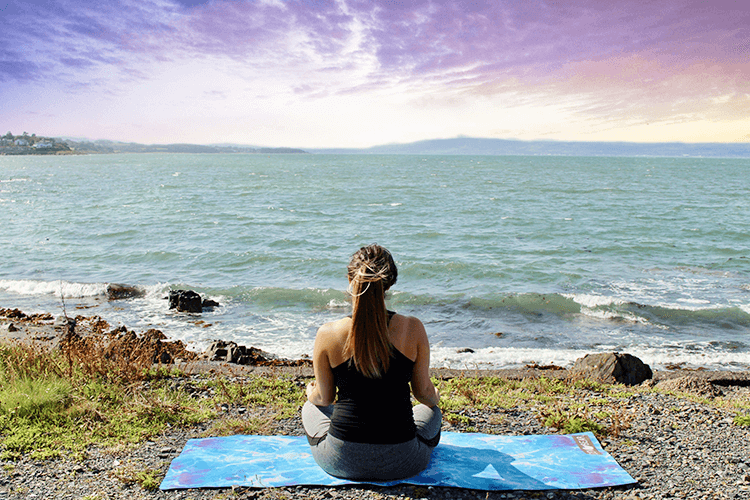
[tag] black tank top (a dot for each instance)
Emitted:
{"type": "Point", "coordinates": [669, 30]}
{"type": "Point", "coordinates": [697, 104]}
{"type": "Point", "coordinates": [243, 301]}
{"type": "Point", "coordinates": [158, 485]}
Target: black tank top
{"type": "Point", "coordinates": [374, 410]}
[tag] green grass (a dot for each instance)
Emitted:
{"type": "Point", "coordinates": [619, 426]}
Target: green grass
{"type": "Point", "coordinates": [58, 403]}
{"type": "Point", "coordinates": [558, 403]}
{"type": "Point", "coordinates": [277, 393]}
{"type": "Point", "coordinates": [244, 425]}
{"type": "Point", "coordinates": [145, 477]}
{"type": "Point", "coordinates": [55, 403]}
{"type": "Point", "coordinates": [742, 420]}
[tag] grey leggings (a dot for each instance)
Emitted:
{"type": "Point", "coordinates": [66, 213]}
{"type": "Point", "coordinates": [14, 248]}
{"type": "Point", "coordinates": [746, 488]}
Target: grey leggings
{"type": "Point", "coordinates": [374, 462]}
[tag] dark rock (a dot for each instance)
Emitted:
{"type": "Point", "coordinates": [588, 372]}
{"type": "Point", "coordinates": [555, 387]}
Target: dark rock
{"type": "Point", "coordinates": [209, 304]}
{"type": "Point", "coordinates": [612, 367]}
{"type": "Point", "coordinates": [163, 358]}
{"type": "Point", "coordinates": [465, 350]}
{"type": "Point", "coordinates": [120, 330]}
{"type": "Point", "coordinates": [116, 291]}
{"type": "Point", "coordinates": [230, 352]}
{"type": "Point", "coordinates": [12, 328]}
{"type": "Point", "coordinates": [185, 301]}
{"type": "Point", "coordinates": [12, 313]}
{"type": "Point", "coordinates": [152, 344]}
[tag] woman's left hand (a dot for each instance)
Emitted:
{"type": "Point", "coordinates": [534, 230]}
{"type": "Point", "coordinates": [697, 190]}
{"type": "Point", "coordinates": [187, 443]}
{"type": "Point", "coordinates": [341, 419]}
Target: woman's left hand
{"type": "Point", "coordinates": [310, 390]}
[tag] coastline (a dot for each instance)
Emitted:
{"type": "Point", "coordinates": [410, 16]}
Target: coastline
{"type": "Point", "coordinates": [46, 331]}
{"type": "Point", "coordinates": [678, 437]}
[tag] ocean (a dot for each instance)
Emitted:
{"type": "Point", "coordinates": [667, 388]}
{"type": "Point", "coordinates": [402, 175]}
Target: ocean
{"type": "Point", "coordinates": [508, 260]}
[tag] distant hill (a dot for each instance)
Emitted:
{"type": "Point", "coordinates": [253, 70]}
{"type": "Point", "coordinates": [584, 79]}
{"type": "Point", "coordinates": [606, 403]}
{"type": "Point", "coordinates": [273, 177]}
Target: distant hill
{"type": "Point", "coordinates": [510, 147]}
{"type": "Point", "coordinates": [26, 144]}
{"type": "Point", "coordinates": [132, 147]}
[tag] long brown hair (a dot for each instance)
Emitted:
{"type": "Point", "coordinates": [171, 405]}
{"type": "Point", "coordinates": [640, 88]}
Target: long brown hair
{"type": "Point", "coordinates": [372, 272]}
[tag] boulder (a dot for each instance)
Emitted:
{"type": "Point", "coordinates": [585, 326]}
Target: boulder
{"type": "Point", "coordinates": [185, 301]}
{"type": "Point", "coordinates": [612, 367]}
{"type": "Point", "coordinates": [189, 301]}
{"type": "Point", "coordinates": [229, 352]}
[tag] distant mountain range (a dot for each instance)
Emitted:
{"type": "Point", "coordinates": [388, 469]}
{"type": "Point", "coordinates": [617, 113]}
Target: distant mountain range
{"type": "Point", "coordinates": [510, 147]}
{"type": "Point", "coordinates": [25, 144]}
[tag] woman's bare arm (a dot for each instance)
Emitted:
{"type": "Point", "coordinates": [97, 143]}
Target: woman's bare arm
{"type": "Point", "coordinates": [322, 390]}
{"type": "Point", "coordinates": [421, 385]}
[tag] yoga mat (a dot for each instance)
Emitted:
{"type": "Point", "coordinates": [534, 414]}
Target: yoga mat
{"type": "Point", "coordinates": [464, 460]}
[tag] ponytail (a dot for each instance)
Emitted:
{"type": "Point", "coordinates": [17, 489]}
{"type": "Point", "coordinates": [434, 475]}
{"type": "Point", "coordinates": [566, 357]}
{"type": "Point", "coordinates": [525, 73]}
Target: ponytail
{"type": "Point", "coordinates": [372, 272]}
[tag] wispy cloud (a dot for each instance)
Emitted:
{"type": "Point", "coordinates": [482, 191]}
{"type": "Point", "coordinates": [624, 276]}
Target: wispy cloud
{"type": "Point", "coordinates": [630, 61]}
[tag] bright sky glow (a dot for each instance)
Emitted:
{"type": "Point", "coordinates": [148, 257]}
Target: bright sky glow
{"type": "Point", "coordinates": [356, 73]}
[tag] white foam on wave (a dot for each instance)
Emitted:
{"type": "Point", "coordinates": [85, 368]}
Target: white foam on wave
{"type": "Point", "coordinates": [501, 357]}
{"type": "Point", "coordinates": [592, 301]}
{"type": "Point", "coordinates": [510, 357]}
{"type": "Point", "coordinates": [337, 304]}
{"type": "Point", "coordinates": [58, 288]}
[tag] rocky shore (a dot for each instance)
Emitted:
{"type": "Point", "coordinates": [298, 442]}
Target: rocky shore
{"type": "Point", "coordinates": [678, 437]}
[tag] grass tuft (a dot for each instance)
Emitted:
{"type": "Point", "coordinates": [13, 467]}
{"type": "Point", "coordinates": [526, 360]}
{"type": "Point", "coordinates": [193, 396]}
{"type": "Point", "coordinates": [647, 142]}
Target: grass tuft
{"type": "Point", "coordinates": [58, 402]}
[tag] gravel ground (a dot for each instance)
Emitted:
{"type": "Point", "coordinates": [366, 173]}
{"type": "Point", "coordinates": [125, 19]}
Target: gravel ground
{"type": "Point", "coordinates": [673, 447]}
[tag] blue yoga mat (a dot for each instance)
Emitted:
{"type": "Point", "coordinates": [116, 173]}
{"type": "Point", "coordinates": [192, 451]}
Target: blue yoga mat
{"type": "Point", "coordinates": [476, 461]}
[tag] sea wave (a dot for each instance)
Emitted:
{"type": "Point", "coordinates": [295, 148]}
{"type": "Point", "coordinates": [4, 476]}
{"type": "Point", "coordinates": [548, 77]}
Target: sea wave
{"type": "Point", "coordinates": [57, 288]}
{"type": "Point", "coordinates": [565, 305]}
{"type": "Point", "coordinates": [511, 357]}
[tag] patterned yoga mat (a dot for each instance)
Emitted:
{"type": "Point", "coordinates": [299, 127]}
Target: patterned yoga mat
{"type": "Point", "coordinates": [476, 461]}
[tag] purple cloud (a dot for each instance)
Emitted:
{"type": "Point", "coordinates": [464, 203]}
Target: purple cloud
{"type": "Point", "coordinates": [18, 70]}
{"type": "Point", "coordinates": [478, 46]}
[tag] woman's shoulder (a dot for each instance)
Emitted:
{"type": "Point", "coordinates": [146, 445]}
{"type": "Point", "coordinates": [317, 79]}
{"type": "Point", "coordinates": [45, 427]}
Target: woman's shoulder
{"type": "Point", "coordinates": [408, 324]}
{"type": "Point", "coordinates": [338, 324]}
{"type": "Point", "coordinates": [331, 339]}
{"type": "Point", "coordinates": [408, 334]}
{"type": "Point", "coordinates": [335, 331]}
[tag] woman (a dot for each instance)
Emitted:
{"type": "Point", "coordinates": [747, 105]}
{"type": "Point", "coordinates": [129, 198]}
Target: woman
{"type": "Point", "coordinates": [372, 358]}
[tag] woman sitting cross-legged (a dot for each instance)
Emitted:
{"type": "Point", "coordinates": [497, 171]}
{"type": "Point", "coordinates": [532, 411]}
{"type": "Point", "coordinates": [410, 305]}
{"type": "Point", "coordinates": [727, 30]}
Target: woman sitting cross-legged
{"type": "Point", "coordinates": [373, 361]}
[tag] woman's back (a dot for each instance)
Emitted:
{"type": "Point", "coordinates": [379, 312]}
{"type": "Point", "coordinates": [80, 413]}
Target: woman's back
{"type": "Point", "coordinates": [359, 417]}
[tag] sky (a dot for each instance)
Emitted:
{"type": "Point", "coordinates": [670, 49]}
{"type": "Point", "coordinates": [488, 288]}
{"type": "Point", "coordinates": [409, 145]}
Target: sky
{"type": "Point", "coordinates": [358, 73]}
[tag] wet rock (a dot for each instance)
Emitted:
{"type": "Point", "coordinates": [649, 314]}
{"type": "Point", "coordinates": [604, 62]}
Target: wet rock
{"type": "Point", "coordinates": [185, 301]}
{"type": "Point", "coordinates": [612, 367]}
{"type": "Point", "coordinates": [116, 291]}
{"type": "Point", "coordinates": [189, 301]}
{"type": "Point", "coordinates": [209, 304]}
